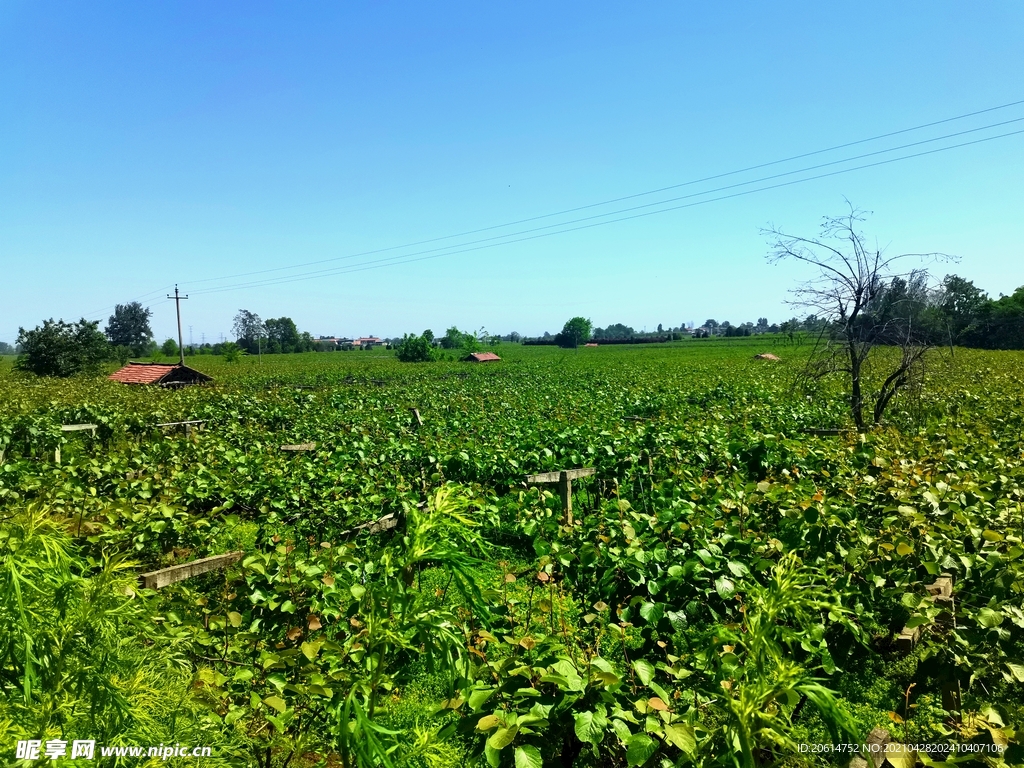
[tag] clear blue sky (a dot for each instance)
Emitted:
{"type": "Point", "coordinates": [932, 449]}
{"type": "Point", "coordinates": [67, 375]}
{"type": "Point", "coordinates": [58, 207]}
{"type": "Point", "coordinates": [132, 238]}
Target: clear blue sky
{"type": "Point", "coordinates": [147, 143]}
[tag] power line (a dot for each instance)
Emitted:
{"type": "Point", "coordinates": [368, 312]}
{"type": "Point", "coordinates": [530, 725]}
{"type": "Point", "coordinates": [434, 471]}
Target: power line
{"type": "Point", "coordinates": [433, 254]}
{"type": "Point", "coordinates": [148, 295]}
{"type": "Point", "coordinates": [617, 199]}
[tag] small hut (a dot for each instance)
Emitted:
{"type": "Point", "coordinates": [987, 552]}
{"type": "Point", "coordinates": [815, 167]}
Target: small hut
{"type": "Point", "coordinates": [161, 374]}
{"type": "Point", "coordinates": [483, 357]}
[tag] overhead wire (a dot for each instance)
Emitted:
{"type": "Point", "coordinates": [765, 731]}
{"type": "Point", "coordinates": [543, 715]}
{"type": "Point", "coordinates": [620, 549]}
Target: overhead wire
{"type": "Point", "coordinates": [564, 228]}
{"type": "Point", "coordinates": [143, 297]}
{"type": "Point", "coordinates": [616, 199]}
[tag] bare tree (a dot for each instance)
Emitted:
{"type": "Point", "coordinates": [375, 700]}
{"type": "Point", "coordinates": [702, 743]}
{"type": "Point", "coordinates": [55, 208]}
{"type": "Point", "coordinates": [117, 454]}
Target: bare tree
{"type": "Point", "coordinates": [865, 303]}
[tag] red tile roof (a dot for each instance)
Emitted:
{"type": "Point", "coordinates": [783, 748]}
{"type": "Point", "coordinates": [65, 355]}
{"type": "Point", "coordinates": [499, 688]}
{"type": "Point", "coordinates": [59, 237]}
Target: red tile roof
{"type": "Point", "coordinates": [159, 373]}
{"type": "Point", "coordinates": [142, 373]}
{"type": "Point", "coordinates": [483, 357]}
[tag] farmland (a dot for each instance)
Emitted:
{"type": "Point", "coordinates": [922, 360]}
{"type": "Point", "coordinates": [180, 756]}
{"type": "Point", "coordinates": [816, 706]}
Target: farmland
{"type": "Point", "coordinates": [732, 585]}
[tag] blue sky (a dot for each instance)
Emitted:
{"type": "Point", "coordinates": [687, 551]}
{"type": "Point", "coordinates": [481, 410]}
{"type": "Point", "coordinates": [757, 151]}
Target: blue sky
{"type": "Point", "coordinates": [143, 144]}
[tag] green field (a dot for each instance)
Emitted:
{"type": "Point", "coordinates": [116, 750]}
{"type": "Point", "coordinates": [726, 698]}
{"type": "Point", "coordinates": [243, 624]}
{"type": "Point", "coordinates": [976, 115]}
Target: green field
{"type": "Point", "coordinates": [731, 587]}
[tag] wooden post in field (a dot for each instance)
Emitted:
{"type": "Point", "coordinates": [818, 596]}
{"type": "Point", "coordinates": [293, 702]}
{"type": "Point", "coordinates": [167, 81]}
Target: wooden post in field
{"type": "Point", "coordinates": [165, 576]}
{"type": "Point", "coordinates": [73, 428]}
{"type": "Point", "coordinates": [564, 479]}
{"type": "Point", "coordinates": [299, 447]}
{"type": "Point", "coordinates": [188, 425]}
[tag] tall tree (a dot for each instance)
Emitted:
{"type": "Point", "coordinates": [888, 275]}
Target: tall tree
{"type": "Point", "coordinates": [282, 335]}
{"type": "Point", "coordinates": [62, 349]}
{"type": "Point", "coordinates": [575, 332]}
{"type": "Point", "coordinates": [248, 329]}
{"type": "Point", "coordinates": [959, 307]}
{"type": "Point", "coordinates": [865, 304]}
{"type": "Point", "coordinates": [129, 327]}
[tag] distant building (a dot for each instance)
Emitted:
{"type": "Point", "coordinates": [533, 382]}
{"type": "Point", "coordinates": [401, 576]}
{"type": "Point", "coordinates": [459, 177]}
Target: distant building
{"type": "Point", "coordinates": [483, 357]}
{"type": "Point", "coordinates": [367, 342]}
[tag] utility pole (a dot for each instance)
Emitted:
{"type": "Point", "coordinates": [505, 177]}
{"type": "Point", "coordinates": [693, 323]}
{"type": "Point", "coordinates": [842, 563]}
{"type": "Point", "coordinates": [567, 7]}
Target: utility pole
{"type": "Point", "coordinates": [177, 308]}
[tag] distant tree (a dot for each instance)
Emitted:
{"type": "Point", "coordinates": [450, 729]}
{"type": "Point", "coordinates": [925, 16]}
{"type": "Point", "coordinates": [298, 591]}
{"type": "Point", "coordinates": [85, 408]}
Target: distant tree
{"type": "Point", "coordinates": [248, 330]}
{"type": "Point", "coordinates": [416, 349]}
{"type": "Point", "coordinates": [575, 332]}
{"type": "Point", "coordinates": [711, 324]}
{"type": "Point", "coordinates": [62, 349]}
{"type": "Point", "coordinates": [129, 327]}
{"type": "Point", "coordinates": [169, 348]}
{"type": "Point", "coordinates": [456, 339]}
{"type": "Point", "coordinates": [1000, 323]}
{"type": "Point", "coordinates": [614, 331]}
{"type": "Point", "coordinates": [660, 329]}
{"type": "Point", "coordinates": [282, 335]}
{"type": "Point", "coordinates": [429, 336]}
{"type": "Point", "coordinates": [865, 305]}
{"type": "Point", "coordinates": [959, 305]}
{"type": "Point", "coordinates": [6, 349]}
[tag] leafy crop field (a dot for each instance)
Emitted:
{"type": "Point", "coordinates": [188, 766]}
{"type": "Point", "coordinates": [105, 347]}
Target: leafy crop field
{"type": "Point", "coordinates": [730, 591]}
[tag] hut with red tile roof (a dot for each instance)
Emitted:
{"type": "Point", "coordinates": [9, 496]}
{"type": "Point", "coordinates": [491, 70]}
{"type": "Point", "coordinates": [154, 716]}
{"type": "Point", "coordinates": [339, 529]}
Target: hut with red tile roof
{"type": "Point", "coordinates": [483, 357]}
{"type": "Point", "coordinates": [161, 374]}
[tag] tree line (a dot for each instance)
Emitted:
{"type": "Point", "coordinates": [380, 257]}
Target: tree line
{"type": "Point", "coordinates": [953, 313]}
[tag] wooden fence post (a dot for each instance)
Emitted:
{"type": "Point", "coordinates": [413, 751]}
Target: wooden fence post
{"type": "Point", "coordinates": [565, 491]}
{"type": "Point", "coordinates": [564, 479]}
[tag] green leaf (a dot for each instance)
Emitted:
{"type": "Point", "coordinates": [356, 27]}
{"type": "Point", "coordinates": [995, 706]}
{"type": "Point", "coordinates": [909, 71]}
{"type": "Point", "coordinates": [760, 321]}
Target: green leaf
{"type": "Point", "coordinates": [488, 722]}
{"type": "Point", "coordinates": [276, 702]}
{"type": "Point", "coordinates": [528, 757]}
{"type": "Point", "coordinates": [310, 650]}
{"type": "Point", "coordinates": [682, 736]}
{"type": "Point", "coordinates": [652, 612]}
{"type": "Point", "coordinates": [1017, 670]}
{"type": "Point", "coordinates": [621, 730]}
{"type": "Point", "coordinates": [502, 737]}
{"type": "Point", "coordinates": [644, 670]}
{"type": "Point", "coordinates": [725, 587]}
{"type": "Point", "coordinates": [639, 749]}
{"type": "Point", "coordinates": [590, 727]}
{"type": "Point", "coordinates": [739, 570]}
{"type": "Point", "coordinates": [478, 697]}
{"type": "Point", "coordinates": [990, 618]}
{"type": "Point", "coordinates": [235, 618]}
{"type": "Point", "coordinates": [357, 590]}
